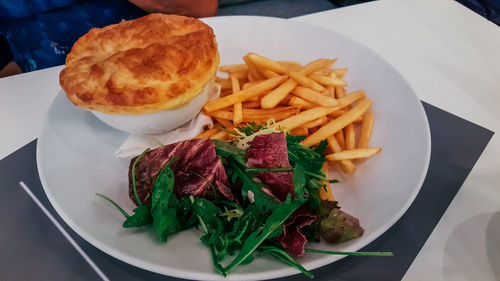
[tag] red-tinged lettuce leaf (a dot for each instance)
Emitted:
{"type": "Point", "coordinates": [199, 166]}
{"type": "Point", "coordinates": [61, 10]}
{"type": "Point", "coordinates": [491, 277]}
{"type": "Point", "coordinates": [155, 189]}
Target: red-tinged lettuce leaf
{"type": "Point", "coordinates": [292, 237]}
{"type": "Point", "coordinates": [270, 151]}
{"type": "Point", "coordinates": [198, 172]}
{"type": "Point", "coordinates": [339, 226]}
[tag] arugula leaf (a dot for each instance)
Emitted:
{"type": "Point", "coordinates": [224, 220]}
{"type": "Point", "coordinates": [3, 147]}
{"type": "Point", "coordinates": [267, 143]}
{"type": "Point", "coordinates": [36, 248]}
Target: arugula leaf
{"type": "Point", "coordinates": [268, 170]}
{"type": "Point", "coordinates": [299, 180]}
{"type": "Point", "coordinates": [321, 147]}
{"type": "Point", "coordinates": [263, 200]}
{"type": "Point", "coordinates": [165, 219]}
{"type": "Point", "coordinates": [251, 129]}
{"type": "Point", "coordinates": [281, 255]}
{"type": "Point", "coordinates": [311, 159]}
{"type": "Point", "coordinates": [141, 217]}
{"type": "Point", "coordinates": [133, 175]}
{"type": "Point", "coordinates": [274, 221]}
{"type": "Point", "coordinates": [218, 267]}
{"type": "Point", "coordinates": [313, 186]}
{"type": "Point", "coordinates": [125, 214]}
{"type": "Point", "coordinates": [228, 152]}
{"type": "Point", "coordinates": [206, 210]}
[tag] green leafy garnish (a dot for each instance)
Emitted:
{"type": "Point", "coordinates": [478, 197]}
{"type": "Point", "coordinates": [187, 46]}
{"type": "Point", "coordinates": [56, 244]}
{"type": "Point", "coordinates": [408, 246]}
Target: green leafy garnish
{"type": "Point", "coordinates": [251, 129]}
{"type": "Point", "coordinates": [273, 223]}
{"type": "Point", "coordinates": [141, 217]}
{"type": "Point", "coordinates": [281, 255]}
{"type": "Point", "coordinates": [251, 223]}
{"type": "Point", "coordinates": [125, 214]}
{"type": "Point", "coordinates": [165, 220]}
{"type": "Point", "coordinates": [263, 200]}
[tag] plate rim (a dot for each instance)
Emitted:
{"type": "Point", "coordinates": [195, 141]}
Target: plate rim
{"type": "Point", "coordinates": [277, 273]}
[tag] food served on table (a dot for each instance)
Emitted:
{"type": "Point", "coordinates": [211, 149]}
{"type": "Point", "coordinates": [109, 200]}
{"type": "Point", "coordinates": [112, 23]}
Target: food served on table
{"type": "Point", "coordinates": [257, 183]}
{"type": "Point", "coordinates": [154, 64]}
{"type": "Point", "coordinates": [308, 100]}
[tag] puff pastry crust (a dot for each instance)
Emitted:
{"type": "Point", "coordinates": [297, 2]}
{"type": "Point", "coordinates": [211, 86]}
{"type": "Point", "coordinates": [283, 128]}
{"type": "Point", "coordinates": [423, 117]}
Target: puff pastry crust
{"type": "Point", "coordinates": [154, 63]}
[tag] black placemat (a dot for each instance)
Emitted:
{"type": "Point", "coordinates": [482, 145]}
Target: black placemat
{"type": "Point", "coordinates": [31, 248]}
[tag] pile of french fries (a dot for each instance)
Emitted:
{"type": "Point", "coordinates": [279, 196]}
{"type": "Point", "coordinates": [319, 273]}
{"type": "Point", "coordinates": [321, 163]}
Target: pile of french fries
{"type": "Point", "coordinates": [309, 100]}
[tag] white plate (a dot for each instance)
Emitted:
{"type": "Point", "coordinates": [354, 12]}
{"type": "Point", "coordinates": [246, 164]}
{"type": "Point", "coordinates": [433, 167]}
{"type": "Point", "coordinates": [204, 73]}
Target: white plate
{"type": "Point", "coordinates": [75, 156]}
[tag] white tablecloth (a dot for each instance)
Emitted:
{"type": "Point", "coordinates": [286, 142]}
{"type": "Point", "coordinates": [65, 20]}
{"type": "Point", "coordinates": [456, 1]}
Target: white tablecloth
{"type": "Point", "coordinates": [448, 54]}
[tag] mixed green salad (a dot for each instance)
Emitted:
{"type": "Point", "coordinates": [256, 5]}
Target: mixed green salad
{"type": "Point", "coordinates": [274, 207]}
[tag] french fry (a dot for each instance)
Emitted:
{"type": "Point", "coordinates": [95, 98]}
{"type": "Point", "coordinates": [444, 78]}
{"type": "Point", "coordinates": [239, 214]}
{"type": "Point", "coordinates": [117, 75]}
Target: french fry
{"type": "Point", "coordinates": [252, 69]}
{"type": "Point", "coordinates": [328, 81]}
{"type": "Point", "coordinates": [257, 115]}
{"type": "Point", "coordinates": [251, 104]}
{"type": "Point", "coordinates": [226, 124]}
{"type": "Point", "coordinates": [340, 138]}
{"type": "Point", "coordinates": [275, 96]}
{"type": "Point", "coordinates": [338, 82]}
{"type": "Point", "coordinates": [218, 79]}
{"type": "Point", "coordinates": [314, 123]}
{"type": "Point", "coordinates": [206, 134]}
{"type": "Point", "coordinates": [339, 92]}
{"type": "Point", "coordinates": [338, 124]}
{"type": "Point", "coordinates": [250, 84]}
{"type": "Point", "coordinates": [305, 81]}
{"type": "Point", "coordinates": [225, 92]}
{"type": "Point", "coordinates": [291, 65]}
{"type": "Point", "coordinates": [354, 153]}
{"type": "Point", "coordinates": [333, 144]}
{"type": "Point", "coordinates": [262, 115]}
{"type": "Point", "coordinates": [219, 135]}
{"type": "Point", "coordinates": [326, 193]}
{"type": "Point", "coordinates": [250, 77]}
{"type": "Point", "coordinates": [255, 98]}
{"type": "Point", "coordinates": [330, 91]}
{"type": "Point", "coordinates": [302, 103]}
{"type": "Point", "coordinates": [350, 138]}
{"type": "Point", "coordinates": [222, 114]}
{"type": "Point", "coordinates": [263, 62]}
{"type": "Point", "coordinates": [233, 68]}
{"type": "Point", "coordinates": [286, 100]}
{"type": "Point", "coordinates": [224, 84]}
{"type": "Point", "coordinates": [322, 72]}
{"type": "Point", "coordinates": [238, 108]}
{"type": "Point", "coordinates": [366, 130]}
{"type": "Point", "coordinates": [235, 84]}
{"type": "Point", "coordinates": [316, 65]}
{"type": "Point", "coordinates": [244, 95]}
{"type": "Point", "coordinates": [345, 165]}
{"type": "Point", "coordinates": [351, 98]}
{"type": "Point", "coordinates": [240, 75]}
{"type": "Point", "coordinates": [268, 73]}
{"type": "Point", "coordinates": [340, 112]}
{"type": "Point", "coordinates": [300, 131]}
{"type": "Point", "coordinates": [314, 96]}
{"type": "Point", "coordinates": [340, 72]}
{"type": "Point", "coordinates": [304, 117]}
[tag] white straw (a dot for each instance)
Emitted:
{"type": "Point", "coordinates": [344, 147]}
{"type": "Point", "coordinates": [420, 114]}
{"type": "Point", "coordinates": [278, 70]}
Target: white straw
{"type": "Point", "coordinates": [61, 229]}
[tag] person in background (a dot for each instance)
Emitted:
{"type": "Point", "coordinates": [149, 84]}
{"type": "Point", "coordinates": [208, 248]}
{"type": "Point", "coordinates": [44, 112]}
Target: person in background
{"type": "Point", "coordinates": [38, 34]}
{"type": "Point", "coordinates": [193, 8]}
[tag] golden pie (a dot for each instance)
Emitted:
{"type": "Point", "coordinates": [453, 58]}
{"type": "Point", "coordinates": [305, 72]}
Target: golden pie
{"type": "Point", "coordinates": [154, 63]}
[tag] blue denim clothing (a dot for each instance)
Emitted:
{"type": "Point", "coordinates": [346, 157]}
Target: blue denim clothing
{"type": "Point", "coordinates": [40, 33]}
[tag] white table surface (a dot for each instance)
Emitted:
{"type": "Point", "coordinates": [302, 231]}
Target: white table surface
{"type": "Point", "coordinates": [448, 54]}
